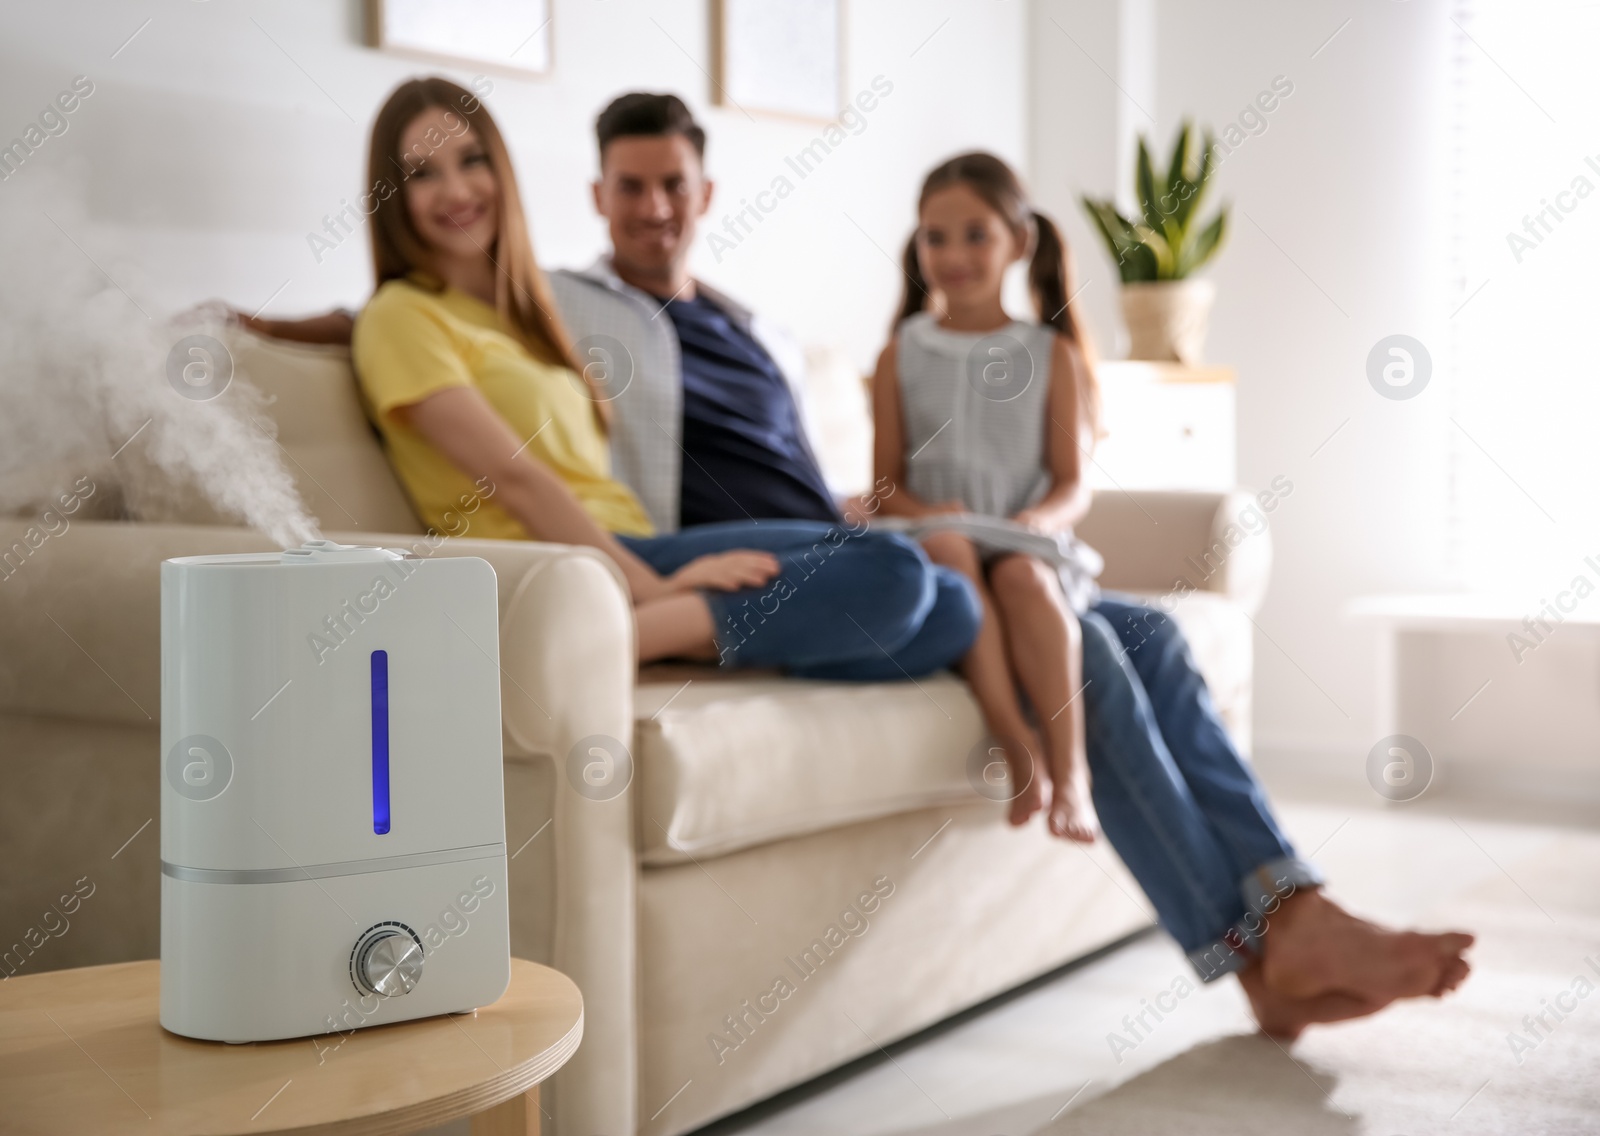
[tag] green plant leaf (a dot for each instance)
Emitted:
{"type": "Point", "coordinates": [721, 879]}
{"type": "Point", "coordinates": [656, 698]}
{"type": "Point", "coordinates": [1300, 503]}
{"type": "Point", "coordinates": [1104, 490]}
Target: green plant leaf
{"type": "Point", "coordinates": [1178, 168]}
{"type": "Point", "coordinates": [1135, 261]}
{"type": "Point", "coordinates": [1145, 186]}
{"type": "Point", "coordinates": [1202, 180]}
{"type": "Point", "coordinates": [1139, 266]}
{"type": "Point", "coordinates": [1173, 232]}
{"type": "Point", "coordinates": [1205, 244]}
{"type": "Point", "coordinates": [1161, 250]}
{"type": "Point", "coordinates": [1207, 156]}
{"type": "Point", "coordinates": [1178, 189]}
{"type": "Point", "coordinates": [1113, 230]}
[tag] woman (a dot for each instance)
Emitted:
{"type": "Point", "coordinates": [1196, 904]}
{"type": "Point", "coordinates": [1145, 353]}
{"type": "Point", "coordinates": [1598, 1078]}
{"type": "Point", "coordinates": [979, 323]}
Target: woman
{"type": "Point", "coordinates": [471, 380]}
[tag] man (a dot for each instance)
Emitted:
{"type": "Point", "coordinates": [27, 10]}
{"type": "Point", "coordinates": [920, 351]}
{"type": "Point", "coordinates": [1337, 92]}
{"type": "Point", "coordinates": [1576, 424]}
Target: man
{"type": "Point", "coordinates": [706, 416]}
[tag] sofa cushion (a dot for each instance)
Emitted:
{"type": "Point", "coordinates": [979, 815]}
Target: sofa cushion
{"type": "Point", "coordinates": [730, 762]}
{"type": "Point", "coordinates": [725, 765]}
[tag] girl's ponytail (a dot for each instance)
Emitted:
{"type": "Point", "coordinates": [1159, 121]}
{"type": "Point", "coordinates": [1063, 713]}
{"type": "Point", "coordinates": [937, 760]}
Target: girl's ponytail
{"type": "Point", "coordinates": [915, 295]}
{"type": "Point", "coordinates": [1048, 277]}
{"type": "Point", "coordinates": [1051, 281]}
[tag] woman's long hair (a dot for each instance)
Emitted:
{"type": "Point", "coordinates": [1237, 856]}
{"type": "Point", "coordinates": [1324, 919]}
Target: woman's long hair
{"type": "Point", "coordinates": [521, 293]}
{"type": "Point", "coordinates": [1050, 269]}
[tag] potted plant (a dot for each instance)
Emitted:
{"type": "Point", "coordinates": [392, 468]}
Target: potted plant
{"type": "Point", "coordinates": [1159, 250]}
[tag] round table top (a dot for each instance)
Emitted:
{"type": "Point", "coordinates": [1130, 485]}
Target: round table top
{"type": "Point", "coordinates": [83, 1051]}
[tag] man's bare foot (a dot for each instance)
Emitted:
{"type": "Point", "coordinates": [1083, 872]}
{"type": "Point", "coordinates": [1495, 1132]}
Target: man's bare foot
{"type": "Point", "coordinates": [1455, 973]}
{"type": "Point", "coordinates": [1313, 946]}
{"type": "Point", "coordinates": [1030, 780]}
{"type": "Point", "coordinates": [1072, 812]}
{"type": "Point", "coordinates": [1286, 1018]}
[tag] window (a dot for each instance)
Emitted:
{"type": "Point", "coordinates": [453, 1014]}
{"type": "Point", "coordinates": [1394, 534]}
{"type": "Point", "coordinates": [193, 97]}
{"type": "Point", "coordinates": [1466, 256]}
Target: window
{"type": "Point", "coordinates": [1525, 251]}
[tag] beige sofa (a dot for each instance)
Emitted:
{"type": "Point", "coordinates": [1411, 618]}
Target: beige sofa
{"type": "Point", "coordinates": [794, 875]}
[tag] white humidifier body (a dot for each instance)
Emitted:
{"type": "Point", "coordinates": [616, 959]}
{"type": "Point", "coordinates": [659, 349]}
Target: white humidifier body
{"type": "Point", "coordinates": [332, 794]}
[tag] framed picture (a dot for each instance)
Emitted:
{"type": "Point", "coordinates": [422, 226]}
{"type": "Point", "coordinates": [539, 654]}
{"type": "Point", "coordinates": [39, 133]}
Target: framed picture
{"type": "Point", "coordinates": [509, 36]}
{"type": "Point", "coordinates": [779, 58]}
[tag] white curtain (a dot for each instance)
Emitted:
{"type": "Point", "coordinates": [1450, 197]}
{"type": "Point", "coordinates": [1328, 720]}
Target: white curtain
{"type": "Point", "coordinates": [1524, 220]}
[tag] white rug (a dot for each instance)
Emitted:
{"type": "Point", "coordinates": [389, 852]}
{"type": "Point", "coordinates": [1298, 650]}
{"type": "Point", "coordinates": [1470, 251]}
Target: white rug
{"type": "Point", "coordinates": [1467, 1066]}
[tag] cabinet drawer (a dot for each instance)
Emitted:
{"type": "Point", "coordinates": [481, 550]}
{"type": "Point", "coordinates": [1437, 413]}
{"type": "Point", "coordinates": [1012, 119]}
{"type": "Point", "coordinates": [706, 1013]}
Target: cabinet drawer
{"type": "Point", "coordinates": [1166, 435]}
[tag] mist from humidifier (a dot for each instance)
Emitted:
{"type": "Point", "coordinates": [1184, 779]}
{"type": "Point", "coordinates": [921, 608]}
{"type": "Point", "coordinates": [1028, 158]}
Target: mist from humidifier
{"type": "Point", "coordinates": [84, 350]}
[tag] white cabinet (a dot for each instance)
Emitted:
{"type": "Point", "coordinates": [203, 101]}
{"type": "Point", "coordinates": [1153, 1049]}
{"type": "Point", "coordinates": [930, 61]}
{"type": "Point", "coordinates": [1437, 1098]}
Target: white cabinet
{"type": "Point", "coordinates": [1166, 426]}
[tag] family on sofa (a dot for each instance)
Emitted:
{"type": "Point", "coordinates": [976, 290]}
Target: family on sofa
{"type": "Point", "coordinates": [478, 370]}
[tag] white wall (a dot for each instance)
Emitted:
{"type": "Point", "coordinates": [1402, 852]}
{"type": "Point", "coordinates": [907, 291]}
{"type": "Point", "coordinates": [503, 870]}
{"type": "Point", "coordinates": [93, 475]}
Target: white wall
{"type": "Point", "coordinates": [1337, 240]}
{"type": "Point", "coordinates": [1077, 117]}
{"type": "Point", "coordinates": [208, 151]}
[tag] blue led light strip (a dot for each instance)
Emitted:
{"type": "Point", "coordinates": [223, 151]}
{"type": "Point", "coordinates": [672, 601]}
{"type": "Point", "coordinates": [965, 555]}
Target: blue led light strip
{"type": "Point", "coordinates": [380, 742]}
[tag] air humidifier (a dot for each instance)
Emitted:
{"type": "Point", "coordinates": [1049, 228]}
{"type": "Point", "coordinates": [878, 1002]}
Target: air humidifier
{"type": "Point", "coordinates": [332, 797]}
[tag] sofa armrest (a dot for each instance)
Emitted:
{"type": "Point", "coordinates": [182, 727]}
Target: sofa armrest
{"type": "Point", "coordinates": [567, 657]}
{"type": "Point", "coordinates": [80, 617]}
{"type": "Point", "coordinates": [1164, 541]}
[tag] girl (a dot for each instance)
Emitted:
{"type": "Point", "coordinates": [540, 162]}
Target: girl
{"type": "Point", "coordinates": [470, 378]}
{"type": "Point", "coordinates": [980, 414]}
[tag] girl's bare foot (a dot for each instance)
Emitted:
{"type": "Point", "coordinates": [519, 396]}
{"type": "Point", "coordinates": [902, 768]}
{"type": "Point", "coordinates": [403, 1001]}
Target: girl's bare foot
{"type": "Point", "coordinates": [1286, 1018]}
{"type": "Point", "coordinates": [1313, 946]}
{"type": "Point", "coordinates": [1072, 812]}
{"type": "Point", "coordinates": [1030, 780]}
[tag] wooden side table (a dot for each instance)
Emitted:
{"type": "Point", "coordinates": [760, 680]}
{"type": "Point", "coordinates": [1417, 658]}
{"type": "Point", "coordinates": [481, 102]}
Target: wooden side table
{"type": "Point", "coordinates": [83, 1051]}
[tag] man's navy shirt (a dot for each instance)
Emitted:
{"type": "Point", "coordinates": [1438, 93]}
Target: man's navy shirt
{"type": "Point", "coordinates": [744, 450]}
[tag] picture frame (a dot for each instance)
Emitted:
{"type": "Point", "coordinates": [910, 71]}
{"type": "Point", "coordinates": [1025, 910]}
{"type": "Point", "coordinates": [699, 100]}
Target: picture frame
{"type": "Point", "coordinates": [783, 59]}
{"type": "Point", "coordinates": [508, 37]}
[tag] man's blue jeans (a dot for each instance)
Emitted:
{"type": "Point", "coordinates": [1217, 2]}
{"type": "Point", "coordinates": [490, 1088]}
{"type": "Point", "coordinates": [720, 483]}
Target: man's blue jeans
{"type": "Point", "coordinates": [850, 605]}
{"type": "Point", "coordinates": [1176, 800]}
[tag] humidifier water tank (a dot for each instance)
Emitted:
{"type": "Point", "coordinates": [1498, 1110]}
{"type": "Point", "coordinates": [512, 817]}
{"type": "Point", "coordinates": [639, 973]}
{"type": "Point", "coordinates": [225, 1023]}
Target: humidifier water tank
{"type": "Point", "coordinates": [332, 796]}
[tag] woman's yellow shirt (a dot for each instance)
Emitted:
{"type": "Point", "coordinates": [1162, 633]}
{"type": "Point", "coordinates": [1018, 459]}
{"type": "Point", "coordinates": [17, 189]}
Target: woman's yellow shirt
{"type": "Point", "coordinates": [412, 341]}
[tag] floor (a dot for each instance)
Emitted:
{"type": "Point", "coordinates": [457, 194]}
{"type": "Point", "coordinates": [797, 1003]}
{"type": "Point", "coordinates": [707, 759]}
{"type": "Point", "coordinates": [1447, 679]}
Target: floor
{"type": "Point", "coordinates": [1066, 1056]}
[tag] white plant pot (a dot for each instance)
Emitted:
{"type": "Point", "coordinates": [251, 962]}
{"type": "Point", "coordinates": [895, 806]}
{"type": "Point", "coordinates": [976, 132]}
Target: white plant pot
{"type": "Point", "coordinates": [1167, 319]}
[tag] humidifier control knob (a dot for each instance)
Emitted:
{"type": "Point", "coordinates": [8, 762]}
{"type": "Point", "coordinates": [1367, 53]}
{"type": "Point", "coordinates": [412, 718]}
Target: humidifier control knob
{"type": "Point", "coordinates": [389, 961]}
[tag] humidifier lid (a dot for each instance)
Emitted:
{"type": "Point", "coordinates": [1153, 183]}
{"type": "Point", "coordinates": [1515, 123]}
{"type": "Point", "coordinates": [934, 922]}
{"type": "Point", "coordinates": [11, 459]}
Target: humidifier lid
{"type": "Point", "coordinates": [311, 552]}
{"type": "Point", "coordinates": [332, 552]}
